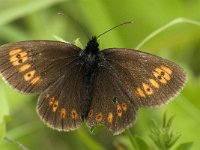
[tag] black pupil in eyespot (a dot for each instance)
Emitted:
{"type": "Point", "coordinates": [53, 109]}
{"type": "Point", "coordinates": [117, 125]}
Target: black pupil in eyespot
{"type": "Point", "coordinates": [148, 89]}
{"type": "Point", "coordinates": [20, 61]}
{"type": "Point", "coordinates": [162, 73]}
{"type": "Point", "coordinates": [18, 56]}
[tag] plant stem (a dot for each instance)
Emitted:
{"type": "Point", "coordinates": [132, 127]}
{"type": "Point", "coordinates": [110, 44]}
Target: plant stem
{"type": "Point", "coordinates": [172, 23]}
{"type": "Point", "coordinates": [92, 144]}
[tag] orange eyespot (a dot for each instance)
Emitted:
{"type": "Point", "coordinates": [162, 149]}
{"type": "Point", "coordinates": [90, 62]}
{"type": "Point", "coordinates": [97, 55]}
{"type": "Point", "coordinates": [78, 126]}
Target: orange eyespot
{"type": "Point", "coordinates": [55, 106]}
{"type": "Point", "coordinates": [154, 83]}
{"type": "Point", "coordinates": [35, 80]}
{"type": "Point", "coordinates": [51, 101]}
{"type": "Point", "coordinates": [166, 69]}
{"type": "Point", "coordinates": [110, 117]}
{"type": "Point", "coordinates": [14, 51]}
{"type": "Point", "coordinates": [148, 90]}
{"type": "Point", "coordinates": [63, 113]}
{"type": "Point", "coordinates": [139, 92]}
{"type": "Point", "coordinates": [28, 76]}
{"type": "Point", "coordinates": [24, 67]}
{"type": "Point", "coordinates": [124, 107]}
{"type": "Point", "coordinates": [119, 110]}
{"type": "Point", "coordinates": [74, 114]}
{"type": "Point", "coordinates": [99, 117]}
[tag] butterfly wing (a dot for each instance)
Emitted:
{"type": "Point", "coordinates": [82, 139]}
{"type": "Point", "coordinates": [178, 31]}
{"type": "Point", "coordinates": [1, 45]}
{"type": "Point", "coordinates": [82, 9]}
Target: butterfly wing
{"type": "Point", "coordinates": [59, 106]}
{"type": "Point", "coordinates": [111, 106]}
{"type": "Point", "coordinates": [150, 80]}
{"type": "Point", "coordinates": [31, 66]}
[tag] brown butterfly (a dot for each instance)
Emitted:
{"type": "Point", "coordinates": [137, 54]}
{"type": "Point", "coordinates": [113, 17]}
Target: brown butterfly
{"type": "Point", "coordinates": [101, 87]}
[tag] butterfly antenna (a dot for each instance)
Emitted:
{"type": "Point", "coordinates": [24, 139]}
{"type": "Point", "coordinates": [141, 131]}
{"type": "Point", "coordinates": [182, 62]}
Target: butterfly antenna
{"type": "Point", "coordinates": [124, 23]}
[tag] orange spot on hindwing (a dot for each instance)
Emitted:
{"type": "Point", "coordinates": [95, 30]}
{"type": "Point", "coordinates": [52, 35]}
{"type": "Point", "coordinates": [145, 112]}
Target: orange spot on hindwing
{"type": "Point", "coordinates": [51, 101]}
{"type": "Point", "coordinates": [119, 110]}
{"type": "Point", "coordinates": [124, 107]}
{"type": "Point", "coordinates": [55, 106]}
{"type": "Point", "coordinates": [110, 117]}
{"type": "Point", "coordinates": [63, 113]}
{"type": "Point", "coordinates": [99, 117]}
{"type": "Point", "coordinates": [74, 114]}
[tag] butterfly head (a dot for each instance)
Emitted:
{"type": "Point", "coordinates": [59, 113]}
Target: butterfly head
{"type": "Point", "coordinates": [92, 46]}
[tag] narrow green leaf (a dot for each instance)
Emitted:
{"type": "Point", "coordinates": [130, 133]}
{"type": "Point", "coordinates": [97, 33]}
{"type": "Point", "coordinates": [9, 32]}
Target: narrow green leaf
{"type": "Point", "coordinates": [4, 111]}
{"type": "Point", "coordinates": [91, 143]}
{"type": "Point", "coordinates": [78, 43]}
{"type": "Point", "coordinates": [19, 10]}
{"type": "Point", "coordinates": [142, 144]}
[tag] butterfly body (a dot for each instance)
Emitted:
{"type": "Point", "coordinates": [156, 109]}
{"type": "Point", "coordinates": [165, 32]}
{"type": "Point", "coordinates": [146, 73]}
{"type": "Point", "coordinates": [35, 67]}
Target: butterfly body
{"type": "Point", "coordinates": [90, 58]}
{"type": "Point", "coordinates": [101, 87]}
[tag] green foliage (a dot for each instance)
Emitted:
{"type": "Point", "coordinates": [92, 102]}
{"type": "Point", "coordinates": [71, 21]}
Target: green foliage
{"type": "Point", "coordinates": [163, 137]}
{"type": "Point", "coordinates": [28, 19]}
{"type": "Point", "coordinates": [185, 146]}
{"type": "Point", "coordinates": [4, 112]}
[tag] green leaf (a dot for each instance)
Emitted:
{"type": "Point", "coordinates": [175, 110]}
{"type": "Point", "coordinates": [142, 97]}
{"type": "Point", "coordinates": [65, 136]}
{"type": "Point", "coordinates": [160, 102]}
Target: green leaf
{"type": "Point", "coordinates": [78, 43]}
{"type": "Point", "coordinates": [4, 111]}
{"type": "Point", "coordinates": [22, 8]}
{"type": "Point", "coordinates": [162, 136]}
{"type": "Point", "coordinates": [142, 144]}
{"type": "Point", "coordinates": [185, 146]}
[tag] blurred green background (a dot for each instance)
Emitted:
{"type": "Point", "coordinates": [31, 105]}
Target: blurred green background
{"type": "Point", "coordinates": [38, 19]}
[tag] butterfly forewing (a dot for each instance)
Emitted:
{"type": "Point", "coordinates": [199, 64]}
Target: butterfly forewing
{"type": "Point", "coordinates": [149, 80]}
{"type": "Point", "coordinates": [31, 66]}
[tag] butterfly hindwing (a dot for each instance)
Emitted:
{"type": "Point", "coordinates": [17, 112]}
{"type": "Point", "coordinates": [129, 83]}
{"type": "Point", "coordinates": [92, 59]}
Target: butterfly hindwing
{"type": "Point", "coordinates": [31, 66]}
{"type": "Point", "coordinates": [60, 106]}
{"type": "Point", "coordinates": [150, 80]}
{"type": "Point", "coordinates": [111, 106]}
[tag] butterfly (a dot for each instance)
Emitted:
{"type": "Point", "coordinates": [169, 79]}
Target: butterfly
{"type": "Point", "coordinates": [77, 85]}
